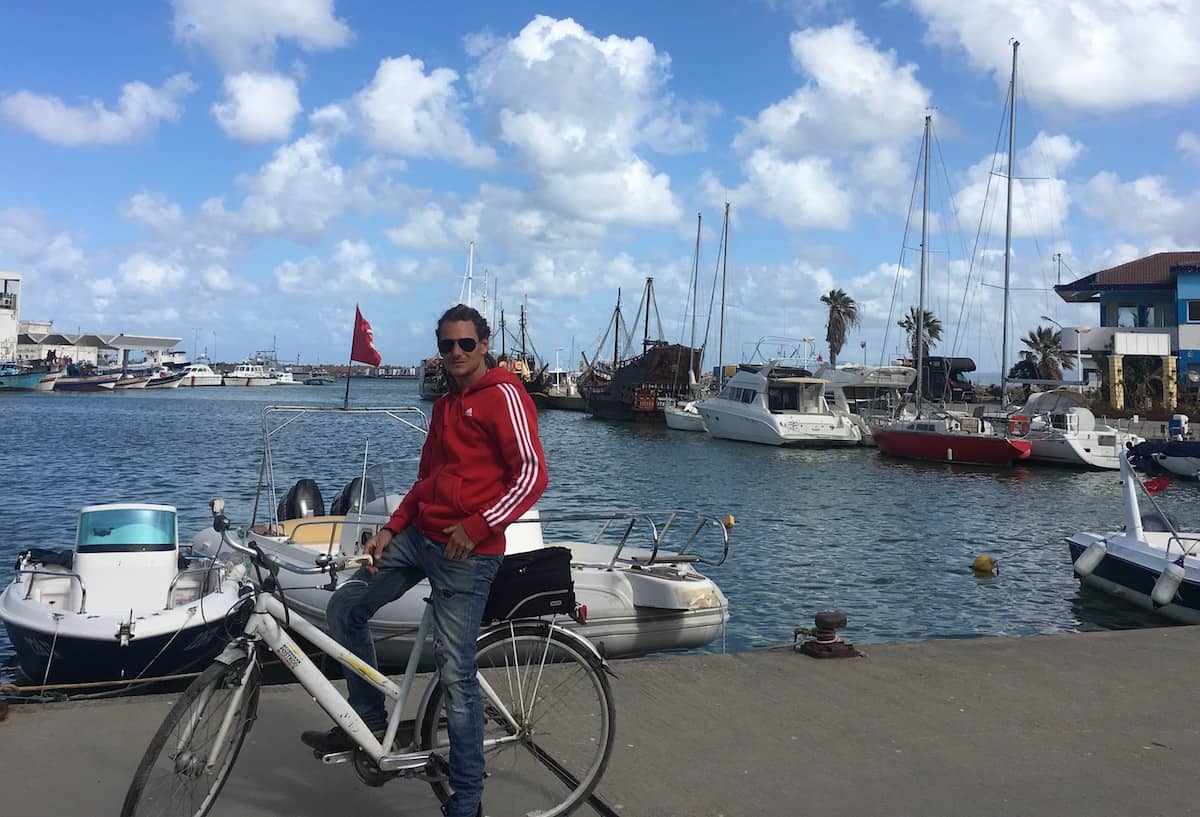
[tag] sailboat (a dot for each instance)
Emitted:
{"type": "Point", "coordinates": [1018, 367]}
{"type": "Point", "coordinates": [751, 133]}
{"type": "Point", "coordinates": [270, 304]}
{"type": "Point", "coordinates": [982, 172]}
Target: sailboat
{"type": "Point", "coordinates": [949, 436]}
{"type": "Point", "coordinates": [683, 415]}
{"type": "Point", "coordinates": [639, 387]}
{"type": "Point", "coordinates": [523, 362]}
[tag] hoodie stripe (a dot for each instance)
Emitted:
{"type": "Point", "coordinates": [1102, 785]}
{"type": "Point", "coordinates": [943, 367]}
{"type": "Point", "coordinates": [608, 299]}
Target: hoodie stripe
{"type": "Point", "coordinates": [523, 487]}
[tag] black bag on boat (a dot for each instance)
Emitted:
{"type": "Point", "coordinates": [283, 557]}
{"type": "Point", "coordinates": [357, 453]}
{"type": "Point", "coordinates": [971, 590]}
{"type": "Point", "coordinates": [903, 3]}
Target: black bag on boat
{"type": "Point", "coordinates": [534, 583]}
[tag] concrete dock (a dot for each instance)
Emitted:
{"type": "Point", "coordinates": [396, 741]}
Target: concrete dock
{"type": "Point", "coordinates": [1085, 724]}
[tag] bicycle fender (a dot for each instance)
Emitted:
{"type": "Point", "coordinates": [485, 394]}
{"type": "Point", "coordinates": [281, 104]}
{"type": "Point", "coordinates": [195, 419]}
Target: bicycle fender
{"type": "Point", "coordinates": [540, 627]}
{"type": "Point", "coordinates": [234, 651]}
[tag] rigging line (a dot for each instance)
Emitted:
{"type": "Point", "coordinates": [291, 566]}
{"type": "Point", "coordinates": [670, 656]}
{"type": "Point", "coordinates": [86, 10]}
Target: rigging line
{"type": "Point", "coordinates": [896, 284]}
{"type": "Point", "coordinates": [979, 226]}
{"type": "Point", "coordinates": [1016, 289]}
{"type": "Point", "coordinates": [957, 224]}
{"type": "Point", "coordinates": [712, 298]}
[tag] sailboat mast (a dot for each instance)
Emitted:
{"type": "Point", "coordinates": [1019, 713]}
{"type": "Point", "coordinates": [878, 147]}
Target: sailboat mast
{"type": "Point", "coordinates": [919, 338]}
{"type": "Point", "coordinates": [695, 296]}
{"type": "Point", "coordinates": [1012, 124]}
{"type": "Point", "coordinates": [523, 332]}
{"type": "Point", "coordinates": [721, 325]}
{"type": "Point", "coordinates": [617, 332]}
{"type": "Point", "coordinates": [646, 323]}
{"type": "Point", "coordinates": [470, 271]}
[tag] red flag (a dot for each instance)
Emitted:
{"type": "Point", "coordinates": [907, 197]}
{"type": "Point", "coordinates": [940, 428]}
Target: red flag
{"type": "Point", "coordinates": [820, 359]}
{"type": "Point", "coordinates": [363, 349]}
{"type": "Point", "coordinates": [1157, 485]}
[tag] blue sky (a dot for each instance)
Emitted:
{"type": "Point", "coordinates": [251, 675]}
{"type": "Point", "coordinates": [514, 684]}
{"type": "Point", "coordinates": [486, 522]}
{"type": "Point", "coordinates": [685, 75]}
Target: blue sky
{"type": "Point", "coordinates": [239, 173]}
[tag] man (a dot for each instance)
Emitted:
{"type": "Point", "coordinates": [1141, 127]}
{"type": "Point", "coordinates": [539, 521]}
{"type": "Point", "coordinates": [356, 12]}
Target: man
{"type": "Point", "coordinates": [482, 466]}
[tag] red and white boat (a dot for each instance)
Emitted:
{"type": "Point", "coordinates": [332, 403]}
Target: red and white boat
{"type": "Point", "coordinates": [953, 438]}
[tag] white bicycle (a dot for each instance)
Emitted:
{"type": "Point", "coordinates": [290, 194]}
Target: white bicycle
{"type": "Point", "coordinates": [546, 695]}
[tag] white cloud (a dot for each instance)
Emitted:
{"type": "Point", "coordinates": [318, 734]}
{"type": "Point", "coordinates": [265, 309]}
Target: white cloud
{"type": "Point", "coordinates": [244, 34]}
{"type": "Point", "coordinates": [1146, 208]}
{"type": "Point", "coordinates": [144, 274]}
{"type": "Point", "coordinates": [579, 109]}
{"type": "Point", "coordinates": [27, 239]}
{"type": "Point", "coordinates": [1102, 55]}
{"type": "Point", "coordinates": [300, 278]}
{"type": "Point", "coordinates": [218, 279]}
{"type": "Point", "coordinates": [138, 113]}
{"type": "Point", "coordinates": [855, 95]}
{"type": "Point", "coordinates": [258, 107]}
{"type": "Point", "coordinates": [103, 288]}
{"type": "Point", "coordinates": [1041, 197]}
{"type": "Point", "coordinates": [1188, 144]}
{"type": "Point", "coordinates": [152, 210]}
{"type": "Point", "coordinates": [406, 111]}
{"type": "Point", "coordinates": [803, 193]}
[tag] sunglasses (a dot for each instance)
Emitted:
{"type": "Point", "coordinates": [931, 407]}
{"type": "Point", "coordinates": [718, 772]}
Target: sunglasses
{"type": "Point", "coordinates": [466, 344]}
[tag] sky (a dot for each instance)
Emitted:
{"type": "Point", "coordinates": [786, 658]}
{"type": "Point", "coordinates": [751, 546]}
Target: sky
{"type": "Point", "coordinates": [242, 173]}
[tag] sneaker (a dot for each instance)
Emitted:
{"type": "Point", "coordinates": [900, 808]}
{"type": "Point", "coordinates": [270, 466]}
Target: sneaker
{"type": "Point", "coordinates": [336, 739]}
{"type": "Point", "coordinates": [478, 813]}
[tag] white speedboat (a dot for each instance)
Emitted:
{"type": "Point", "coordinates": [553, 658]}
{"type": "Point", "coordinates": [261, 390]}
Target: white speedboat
{"type": "Point", "coordinates": [1064, 431]}
{"type": "Point", "coordinates": [635, 572]}
{"type": "Point", "coordinates": [874, 394]}
{"type": "Point", "coordinates": [201, 374]}
{"type": "Point", "coordinates": [779, 405]}
{"type": "Point", "coordinates": [125, 604]}
{"type": "Point", "coordinates": [1151, 563]}
{"type": "Point", "coordinates": [283, 377]}
{"type": "Point", "coordinates": [167, 379]}
{"type": "Point", "coordinates": [250, 374]}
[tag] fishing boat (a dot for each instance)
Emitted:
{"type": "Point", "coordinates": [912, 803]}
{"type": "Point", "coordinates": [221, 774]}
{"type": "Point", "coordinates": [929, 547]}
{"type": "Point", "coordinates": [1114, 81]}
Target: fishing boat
{"type": "Point", "coordinates": [84, 377]}
{"type": "Point", "coordinates": [1151, 563]}
{"type": "Point", "coordinates": [21, 377]}
{"type": "Point", "coordinates": [250, 373]}
{"type": "Point", "coordinates": [636, 573]}
{"type": "Point", "coordinates": [563, 393]}
{"type": "Point", "coordinates": [126, 603]}
{"type": "Point", "coordinates": [779, 404]}
{"type": "Point", "coordinates": [639, 387]}
{"type": "Point", "coordinates": [317, 377]}
{"type": "Point", "coordinates": [200, 374]}
{"type": "Point", "coordinates": [945, 436]}
{"type": "Point", "coordinates": [166, 379]}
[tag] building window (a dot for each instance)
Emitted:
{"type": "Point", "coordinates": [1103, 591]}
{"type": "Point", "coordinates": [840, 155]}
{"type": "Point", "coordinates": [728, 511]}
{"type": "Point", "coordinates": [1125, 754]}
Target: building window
{"type": "Point", "coordinates": [1127, 315]}
{"type": "Point", "coordinates": [1193, 311]}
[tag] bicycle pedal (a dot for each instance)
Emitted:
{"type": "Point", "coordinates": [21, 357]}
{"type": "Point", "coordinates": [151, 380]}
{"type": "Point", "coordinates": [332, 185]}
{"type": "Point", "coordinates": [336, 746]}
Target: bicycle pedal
{"type": "Point", "coordinates": [333, 758]}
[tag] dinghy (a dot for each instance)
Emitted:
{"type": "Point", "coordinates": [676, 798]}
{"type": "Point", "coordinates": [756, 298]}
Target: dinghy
{"type": "Point", "coordinates": [636, 573]}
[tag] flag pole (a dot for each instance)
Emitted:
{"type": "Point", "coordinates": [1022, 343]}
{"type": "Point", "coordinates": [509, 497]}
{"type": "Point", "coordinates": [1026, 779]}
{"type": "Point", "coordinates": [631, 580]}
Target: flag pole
{"type": "Point", "coordinates": [350, 362]}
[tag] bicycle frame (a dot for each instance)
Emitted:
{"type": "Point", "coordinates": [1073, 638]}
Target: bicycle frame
{"type": "Point", "coordinates": [264, 625]}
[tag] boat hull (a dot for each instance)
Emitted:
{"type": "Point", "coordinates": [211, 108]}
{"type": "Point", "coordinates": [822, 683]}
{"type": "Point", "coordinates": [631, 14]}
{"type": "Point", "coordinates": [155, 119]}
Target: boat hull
{"type": "Point", "coordinates": [81, 649]}
{"type": "Point", "coordinates": [28, 381]}
{"type": "Point", "coordinates": [1130, 577]}
{"type": "Point", "coordinates": [973, 449]}
{"type": "Point", "coordinates": [565, 403]}
{"type": "Point", "coordinates": [682, 419]}
{"type": "Point", "coordinates": [99, 383]}
{"type": "Point", "coordinates": [249, 381]}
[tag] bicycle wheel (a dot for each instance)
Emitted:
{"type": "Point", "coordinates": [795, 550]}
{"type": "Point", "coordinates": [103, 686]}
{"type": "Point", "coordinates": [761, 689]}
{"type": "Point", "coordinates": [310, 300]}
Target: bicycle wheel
{"type": "Point", "coordinates": [551, 759]}
{"type": "Point", "coordinates": [191, 755]}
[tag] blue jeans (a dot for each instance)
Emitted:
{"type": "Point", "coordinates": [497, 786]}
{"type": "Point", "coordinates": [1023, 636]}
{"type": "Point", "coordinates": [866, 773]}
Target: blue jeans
{"type": "Point", "coordinates": [460, 590]}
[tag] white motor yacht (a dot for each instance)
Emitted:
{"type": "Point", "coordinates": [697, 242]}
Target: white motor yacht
{"type": "Point", "coordinates": [780, 405]}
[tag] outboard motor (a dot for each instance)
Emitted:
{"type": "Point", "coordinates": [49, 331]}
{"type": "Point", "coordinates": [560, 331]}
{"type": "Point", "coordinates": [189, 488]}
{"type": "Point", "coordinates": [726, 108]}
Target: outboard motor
{"type": "Point", "coordinates": [301, 501]}
{"type": "Point", "coordinates": [347, 500]}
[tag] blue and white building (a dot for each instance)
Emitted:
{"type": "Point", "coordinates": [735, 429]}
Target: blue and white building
{"type": "Point", "coordinates": [1147, 307]}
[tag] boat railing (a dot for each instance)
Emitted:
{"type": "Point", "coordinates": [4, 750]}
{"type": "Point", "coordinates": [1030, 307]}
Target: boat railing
{"type": "Point", "coordinates": [58, 574]}
{"type": "Point", "coordinates": [211, 566]}
{"type": "Point", "coordinates": [688, 527]}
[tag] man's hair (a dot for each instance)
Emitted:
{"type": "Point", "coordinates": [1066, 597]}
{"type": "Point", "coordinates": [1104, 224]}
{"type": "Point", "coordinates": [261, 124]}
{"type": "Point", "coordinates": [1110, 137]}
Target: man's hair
{"type": "Point", "coordinates": [462, 312]}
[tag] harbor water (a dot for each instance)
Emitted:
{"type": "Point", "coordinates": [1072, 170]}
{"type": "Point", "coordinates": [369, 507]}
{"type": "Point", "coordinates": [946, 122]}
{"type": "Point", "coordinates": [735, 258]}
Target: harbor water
{"type": "Point", "coordinates": [889, 542]}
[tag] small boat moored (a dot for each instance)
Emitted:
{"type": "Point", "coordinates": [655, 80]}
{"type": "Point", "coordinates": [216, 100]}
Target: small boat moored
{"type": "Point", "coordinates": [125, 604]}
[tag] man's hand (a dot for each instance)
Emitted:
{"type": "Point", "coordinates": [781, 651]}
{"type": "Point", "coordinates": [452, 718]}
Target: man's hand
{"type": "Point", "coordinates": [460, 544]}
{"type": "Point", "coordinates": [376, 545]}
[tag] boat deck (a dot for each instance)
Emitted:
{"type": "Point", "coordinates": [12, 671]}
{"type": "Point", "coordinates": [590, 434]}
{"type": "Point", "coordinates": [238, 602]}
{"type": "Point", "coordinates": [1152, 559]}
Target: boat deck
{"type": "Point", "coordinates": [1087, 724]}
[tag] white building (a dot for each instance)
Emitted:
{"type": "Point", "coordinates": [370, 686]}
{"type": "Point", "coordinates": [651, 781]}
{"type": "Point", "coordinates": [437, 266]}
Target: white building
{"type": "Point", "coordinates": [10, 290]}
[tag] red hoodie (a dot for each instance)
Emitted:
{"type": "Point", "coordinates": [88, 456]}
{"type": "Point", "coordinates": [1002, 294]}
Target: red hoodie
{"type": "Point", "coordinates": [482, 464]}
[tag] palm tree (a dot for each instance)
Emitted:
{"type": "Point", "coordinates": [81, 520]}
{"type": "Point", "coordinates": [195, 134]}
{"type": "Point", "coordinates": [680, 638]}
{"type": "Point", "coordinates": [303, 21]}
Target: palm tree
{"type": "Point", "coordinates": [843, 314]}
{"type": "Point", "coordinates": [931, 326]}
{"type": "Point", "coordinates": [1046, 345]}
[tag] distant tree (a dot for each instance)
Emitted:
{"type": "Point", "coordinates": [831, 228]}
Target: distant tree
{"type": "Point", "coordinates": [1025, 369]}
{"type": "Point", "coordinates": [1045, 344]}
{"type": "Point", "coordinates": [931, 334]}
{"type": "Point", "coordinates": [843, 314]}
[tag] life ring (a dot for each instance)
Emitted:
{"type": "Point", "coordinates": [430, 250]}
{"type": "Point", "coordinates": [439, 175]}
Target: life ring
{"type": "Point", "coordinates": [1018, 426]}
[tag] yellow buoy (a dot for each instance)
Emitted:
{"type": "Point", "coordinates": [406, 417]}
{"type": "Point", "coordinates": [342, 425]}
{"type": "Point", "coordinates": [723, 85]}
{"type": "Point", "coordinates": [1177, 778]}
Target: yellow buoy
{"type": "Point", "coordinates": [728, 521]}
{"type": "Point", "coordinates": [984, 564]}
